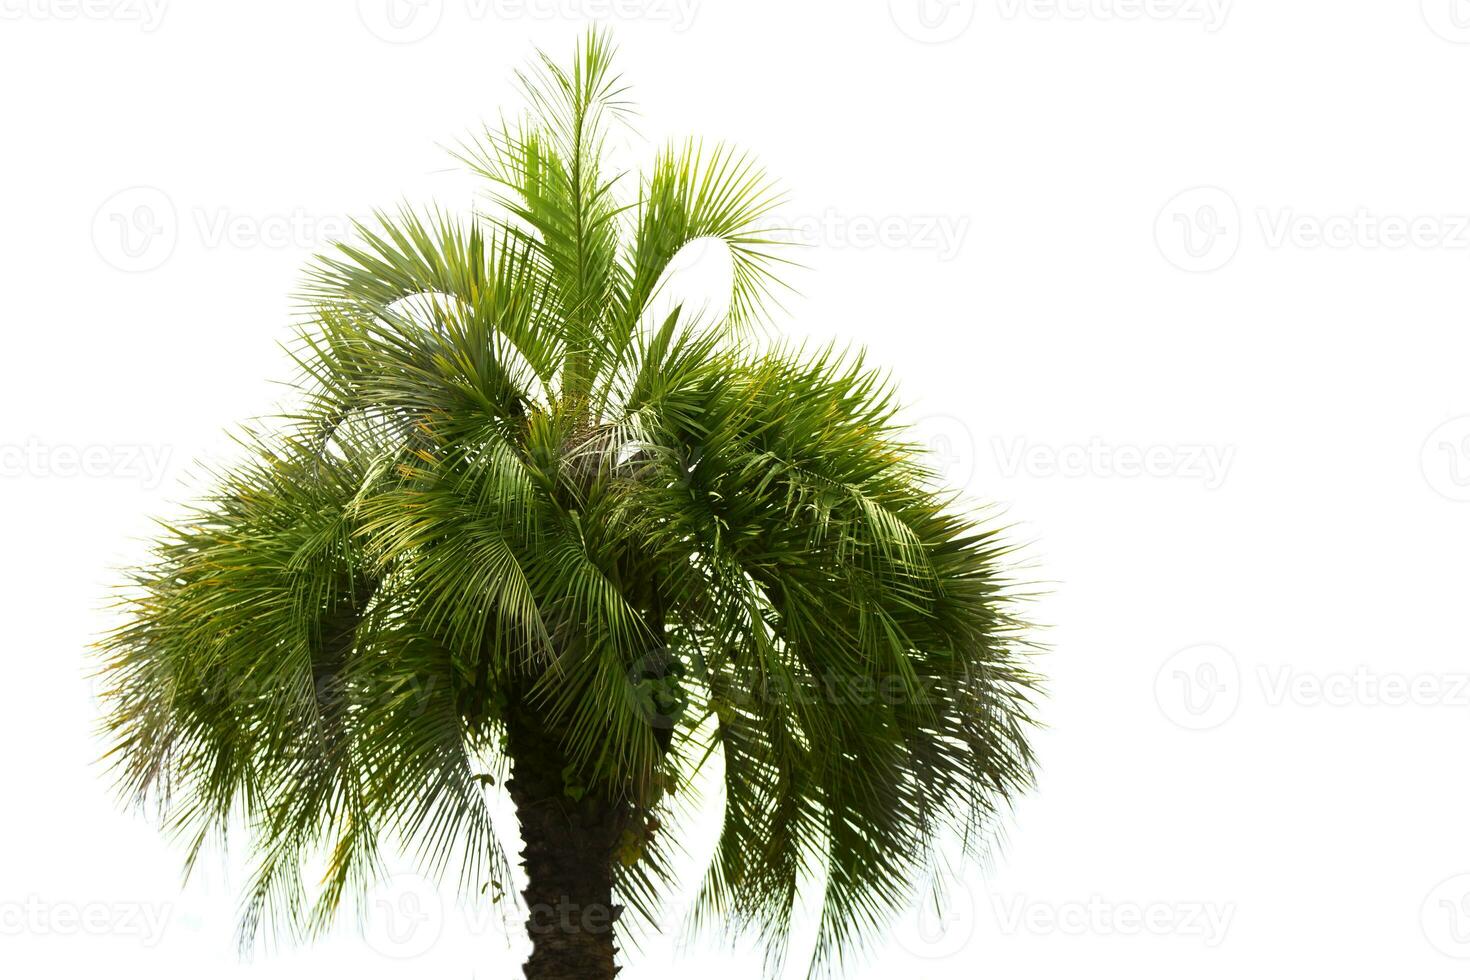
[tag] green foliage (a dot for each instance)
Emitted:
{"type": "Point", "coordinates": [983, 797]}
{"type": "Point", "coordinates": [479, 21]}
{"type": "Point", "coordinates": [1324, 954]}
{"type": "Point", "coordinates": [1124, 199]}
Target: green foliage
{"type": "Point", "coordinates": [678, 543]}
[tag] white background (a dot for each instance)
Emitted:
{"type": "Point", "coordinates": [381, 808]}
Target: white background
{"type": "Point", "coordinates": [1180, 284]}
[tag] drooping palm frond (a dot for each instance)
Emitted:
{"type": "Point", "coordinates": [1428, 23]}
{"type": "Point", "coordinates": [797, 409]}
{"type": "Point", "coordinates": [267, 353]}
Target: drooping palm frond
{"type": "Point", "coordinates": [505, 483]}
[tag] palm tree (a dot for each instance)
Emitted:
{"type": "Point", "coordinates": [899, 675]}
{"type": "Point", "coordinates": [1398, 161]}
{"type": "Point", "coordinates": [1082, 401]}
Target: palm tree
{"type": "Point", "coordinates": [524, 534]}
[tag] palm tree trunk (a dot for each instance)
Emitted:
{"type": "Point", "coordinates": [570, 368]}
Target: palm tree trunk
{"type": "Point", "coordinates": [568, 858]}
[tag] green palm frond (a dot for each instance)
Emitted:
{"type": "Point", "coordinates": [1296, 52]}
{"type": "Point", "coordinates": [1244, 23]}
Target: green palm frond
{"type": "Point", "coordinates": [508, 490]}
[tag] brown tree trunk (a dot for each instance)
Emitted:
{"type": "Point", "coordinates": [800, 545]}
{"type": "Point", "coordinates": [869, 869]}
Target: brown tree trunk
{"type": "Point", "coordinates": [568, 857]}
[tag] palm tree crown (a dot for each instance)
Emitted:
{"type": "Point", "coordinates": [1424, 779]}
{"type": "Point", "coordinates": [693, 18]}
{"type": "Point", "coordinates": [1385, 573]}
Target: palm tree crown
{"type": "Point", "coordinates": [522, 533]}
